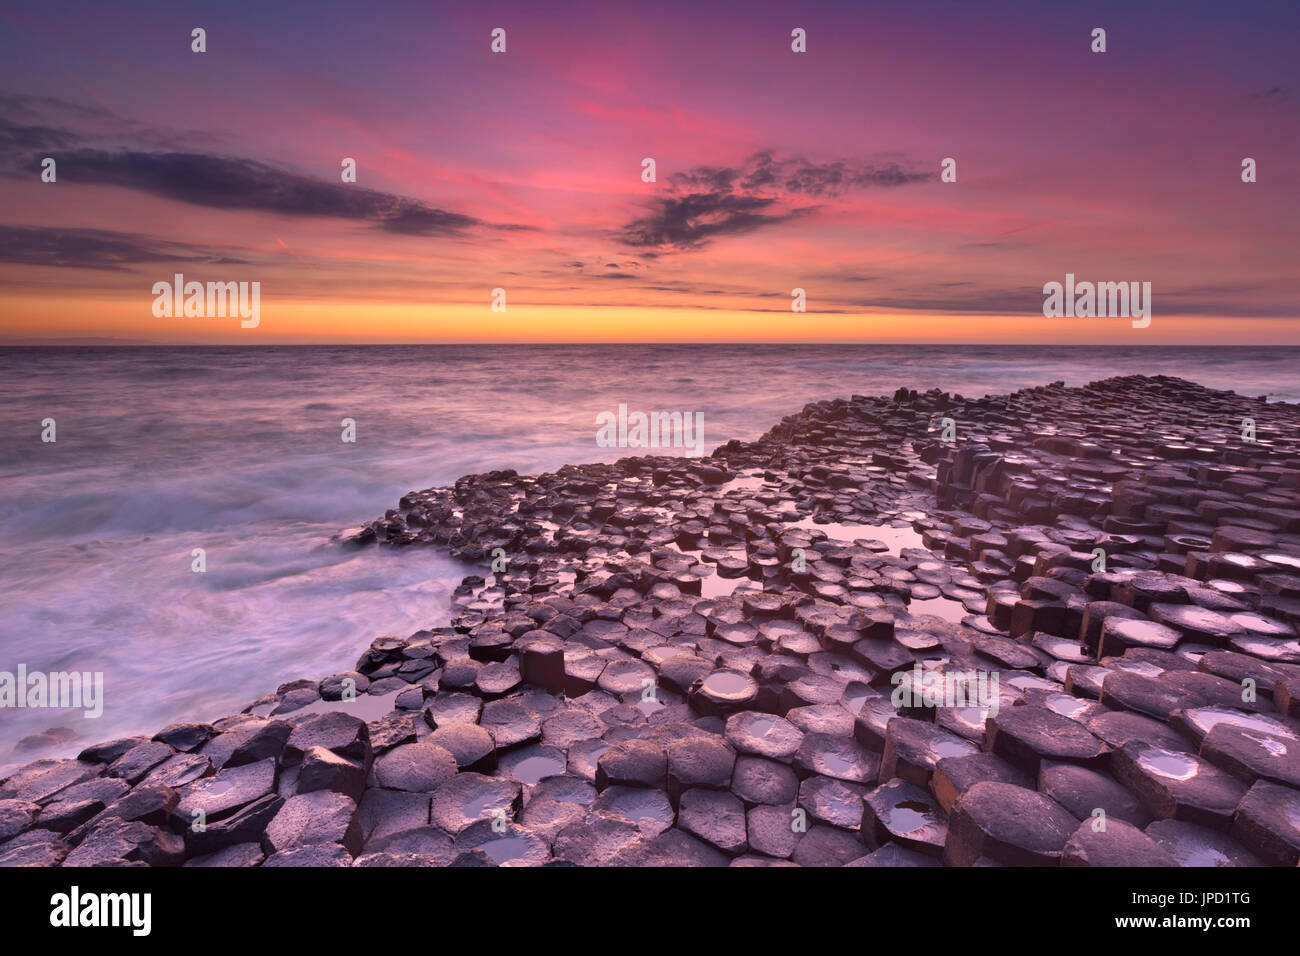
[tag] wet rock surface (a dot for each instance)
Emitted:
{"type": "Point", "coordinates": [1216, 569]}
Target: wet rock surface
{"type": "Point", "coordinates": [849, 642]}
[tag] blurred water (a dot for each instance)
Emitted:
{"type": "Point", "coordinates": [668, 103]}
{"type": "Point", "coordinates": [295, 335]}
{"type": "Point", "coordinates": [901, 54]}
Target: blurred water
{"type": "Point", "coordinates": [238, 451]}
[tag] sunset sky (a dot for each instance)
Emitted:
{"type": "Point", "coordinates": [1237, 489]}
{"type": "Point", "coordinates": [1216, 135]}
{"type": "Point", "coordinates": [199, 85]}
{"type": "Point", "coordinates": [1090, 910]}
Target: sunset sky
{"type": "Point", "coordinates": [775, 170]}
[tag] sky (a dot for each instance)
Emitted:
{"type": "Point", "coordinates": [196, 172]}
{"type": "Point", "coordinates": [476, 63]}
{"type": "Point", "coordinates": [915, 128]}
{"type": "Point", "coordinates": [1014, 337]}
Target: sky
{"type": "Point", "coordinates": [774, 170]}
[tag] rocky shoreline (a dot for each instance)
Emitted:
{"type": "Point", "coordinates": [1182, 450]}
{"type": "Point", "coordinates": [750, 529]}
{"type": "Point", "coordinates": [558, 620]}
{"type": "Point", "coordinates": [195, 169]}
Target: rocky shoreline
{"type": "Point", "coordinates": [674, 661]}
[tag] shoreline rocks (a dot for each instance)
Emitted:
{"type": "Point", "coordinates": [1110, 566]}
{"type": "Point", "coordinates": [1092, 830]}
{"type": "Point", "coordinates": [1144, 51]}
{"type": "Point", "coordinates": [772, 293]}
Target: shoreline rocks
{"type": "Point", "coordinates": [674, 661]}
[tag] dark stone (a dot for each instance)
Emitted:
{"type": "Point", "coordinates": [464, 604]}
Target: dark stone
{"type": "Point", "coordinates": [1114, 844]}
{"type": "Point", "coordinates": [1010, 825]}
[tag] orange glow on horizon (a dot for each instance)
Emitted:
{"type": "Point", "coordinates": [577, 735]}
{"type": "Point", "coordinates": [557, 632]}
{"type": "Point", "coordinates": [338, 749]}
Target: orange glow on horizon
{"type": "Point", "coordinates": [300, 321]}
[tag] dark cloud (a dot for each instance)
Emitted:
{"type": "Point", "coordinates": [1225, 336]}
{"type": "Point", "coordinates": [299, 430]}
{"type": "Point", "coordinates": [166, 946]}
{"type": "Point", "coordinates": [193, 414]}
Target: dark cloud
{"type": "Point", "coordinates": [220, 182]}
{"type": "Point", "coordinates": [800, 177]}
{"type": "Point", "coordinates": [709, 202]}
{"type": "Point", "coordinates": [199, 177]}
{"type": "Point", "coordinates": [96, 126]}
{"type": "Point", "coordinates": [690, 221]}
{"type": "Point", "coordinates": [97, 249]}
{"type": "Point", "coordinates": [18, 137]}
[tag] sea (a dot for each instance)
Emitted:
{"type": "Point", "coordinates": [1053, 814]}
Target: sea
{"type": "Point", "coordinates": [160, 451]}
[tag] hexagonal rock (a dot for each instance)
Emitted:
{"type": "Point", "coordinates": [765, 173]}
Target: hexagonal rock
{"type": "Point", "coordinates": [316, 854]}
{"type": "Point", "coordinates": [570, 726]}
{"type": "Point", "coordinates": [1197, 722]}
{"type": "Point", "coordinates": [599, 840]}
{"type": "Point", "coordinates": [384, 813]}
{"type": "Point", "coordinates": [1118, 727]}
{"type": "Point", "coordinates": [1118, 634]}
{"type": "Point", "coordinates": [626, 677]}
{"type": "Point", "coordinates": [1119, 844]}
{"type": "Point", "coordinates": [318, 817]}
{"type": "Point", "coordinates": [246, 824]}
{"type": "Point", "coordinates": [1008, 824]}
{"type": "Point", "coordinates": [510, 723]}
{"type": "Point", "coordinates": [633, 763]}
{"type": "Point", "coordinates": [469, 797]}
{"type": "Point", "coordinates": [133, 765]}
{"type": "Point", "coordinates": [447, 707]}
{"type": "Point", "coordinates": [547, 818]}
{"type": "Point", "coordinates": [1192, 845]}
{"type": "Point", "coordinates": [766, 735]}
{"type": "Point", "coordinates": [179, 770]}
{"type": "Point", "coordinates": [60, 816]}
{"type": "Point", "coordinates": [420, 767]}
{"type": "Point", "coordinates": [1153, 696]}
{"type": "Point", "coordinates": [904, 813]}
{"type": "Point", "coordinates": [723, 692]}
{"type": "Point", "coordinates": [1029, 734]}
{"type": "Point", "coordinates": [119, 840]}
{"type": "Point", "coordinates": [109, 750]}
{"type": "Point", "coordinates": [757, 780]}
{"type": "Point", "coordinates": [1267, 823]}
{"type": "Point", "coordinates": [507, 845]}
{"type": "Point", "coordinates": [953, 776]}
{"type": "Point", "coordinates": [699, 762]}
{"type": "Point", "coordinates": [252, 743]}
{"type": "Point", "coordinates": [1177, 785]}
{"type": "Point", "coordinates": [471, 745]}
{"type": "Point", "coordinates": [186, 737]}
{"type": "Point", "coordinates": [913, 747]}
{"type": "Point", "coordinates": [1195, 623]}
{"type": "Point", "coordinates": [716, 817]}
{"type": "Point", "coordinates": [827, 846]}
{"type": "Point", "coordinates": [15, 817]}
{"type": "Point", "coordinates": [810, 689]}
{"type": "Point", "coordinates": [869, 726]}
{"type": "Point", "coordinates": [892, 854]}
{"type": "Point", "coordinates": [1251, 755]}
{"type": "Point", "coordinates": [392, 731]}
{"type": "Point", "coordinates": [229, 789]}
{"type": "Point", "coordinates": [33, 848]}
{"type": "Point", "coordinates": [497, 678]}
{"type": "Point", "coordinates": [239, 855]}
{"type": "Point", "coordinates": [770, 831]}
{"type": "Point", "coordinates": [385, 859]}
{"type": "Point", "coordinates": [831, 801]}
{"type": "Point", "coordinates": [833, 719]}
{"type": "Point", "coordinates": [427, 841]}
{"type": "Point", "coordinates": [343, 733]}
{"type": "Point", "coordinates": [39, 781]}
{"type": "Point", "coordinates": [650, 810]}
{"type": "Point", "coordinates": [840, 757]}
{"type": "Point", "coordinates": [1082, 791]}
{"type": "Point", "coordinates": [147, 803]}
{"type": "Point", "coordinates": [681, 671]}
{"type": "Point", "coordinates": [675, 847]}
{"type": "Point", "coordinates": [541, 662]}
{"type": "Point", "coordinates": [334, 686]}
{"type": "Point", "coordinates": [537, 762]}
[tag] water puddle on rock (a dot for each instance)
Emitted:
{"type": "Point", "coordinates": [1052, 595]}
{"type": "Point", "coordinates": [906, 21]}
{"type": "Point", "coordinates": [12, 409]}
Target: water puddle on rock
{"type": "Point", "coordinates": [1166, 763]}
{"type": "Point", "coordinates": [726, 684]}
{"type": "Point", "coordinates": [941, 607]}
{"type": "Point", "coordinates": [505, 849]}
{"type": "Point", "coordinates": [896, 539]}
{"type": "Point", "coordinates": [532, 769]}
{"type": "Point", "coordinates": [909, 817]}
{"type": "Point", "coordinates": [1206, 719]}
